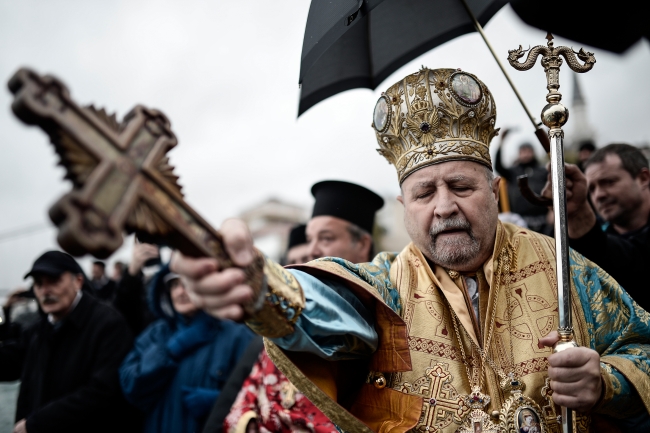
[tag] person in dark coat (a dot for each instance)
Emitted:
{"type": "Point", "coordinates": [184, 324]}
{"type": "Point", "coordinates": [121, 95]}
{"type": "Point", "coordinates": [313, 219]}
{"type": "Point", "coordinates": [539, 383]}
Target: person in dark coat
{"type": "Point", "coordinates": [68, 362]}
{"type": "Point", "coordinates": [104, 287]}
{"type": "Point", "coordinates": [181, 361]}
{"type": "Point", "coordinates": [585, 151]}
{"type": "Point", "coordinates": [130, 294]}
{"type": "Point", "coordinates": [526, 164]}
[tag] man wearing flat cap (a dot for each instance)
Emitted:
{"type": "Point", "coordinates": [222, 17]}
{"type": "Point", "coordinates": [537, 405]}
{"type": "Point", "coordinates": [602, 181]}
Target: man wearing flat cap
{"type": "Point", "coordinates": [454, 333]}
{"type": "Point", "coordinates": [67, 363]}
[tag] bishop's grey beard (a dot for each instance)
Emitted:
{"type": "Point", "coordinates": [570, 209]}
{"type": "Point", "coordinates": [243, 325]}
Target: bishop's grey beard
{"type": "Point", "coordinates": [449, 251]}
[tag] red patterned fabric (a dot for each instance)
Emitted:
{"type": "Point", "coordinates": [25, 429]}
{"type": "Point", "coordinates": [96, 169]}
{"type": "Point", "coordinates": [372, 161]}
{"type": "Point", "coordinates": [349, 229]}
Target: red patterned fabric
{"type": "Point", "coordinates": [264, 392]}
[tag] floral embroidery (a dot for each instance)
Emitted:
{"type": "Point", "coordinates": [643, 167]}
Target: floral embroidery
{"type": "Point", "coordinates": [278, 406]}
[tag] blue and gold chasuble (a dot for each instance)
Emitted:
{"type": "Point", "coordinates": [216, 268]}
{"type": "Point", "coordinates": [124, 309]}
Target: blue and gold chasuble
{"type": "Point", "coordinates": [375, 347]}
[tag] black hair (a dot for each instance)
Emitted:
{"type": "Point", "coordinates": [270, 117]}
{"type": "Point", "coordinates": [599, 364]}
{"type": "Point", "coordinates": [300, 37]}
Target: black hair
{"type": "Point", "coordinates": [632, 159]}
{"type": "Point", "coordinates": [357, 233]}
{"type": "Point", "coordinates": [587, 145]}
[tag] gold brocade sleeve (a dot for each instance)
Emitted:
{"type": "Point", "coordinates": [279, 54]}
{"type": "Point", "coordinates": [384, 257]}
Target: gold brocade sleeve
{"type": "Point", "coordinates": [615, 372]}
{"type": "Point", "coordinates": [610, 384]}
{"type": "Point", "coordinates": [281, 302]}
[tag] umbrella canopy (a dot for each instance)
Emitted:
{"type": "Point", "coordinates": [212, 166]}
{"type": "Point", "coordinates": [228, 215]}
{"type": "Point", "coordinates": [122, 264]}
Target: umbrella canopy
{"type": "Point", "coordinates": [614, 28]}
{"type": "Point", "coordinates": [358, 43]}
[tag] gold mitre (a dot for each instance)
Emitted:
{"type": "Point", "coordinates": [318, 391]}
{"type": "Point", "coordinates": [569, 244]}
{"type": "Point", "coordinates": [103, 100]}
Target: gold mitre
{"type": "Point", "coordinates": [433, 116]}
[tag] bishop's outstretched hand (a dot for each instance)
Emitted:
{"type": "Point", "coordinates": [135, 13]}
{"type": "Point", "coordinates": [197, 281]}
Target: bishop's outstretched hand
{"type": "Point", "coordinates": [220, 292]}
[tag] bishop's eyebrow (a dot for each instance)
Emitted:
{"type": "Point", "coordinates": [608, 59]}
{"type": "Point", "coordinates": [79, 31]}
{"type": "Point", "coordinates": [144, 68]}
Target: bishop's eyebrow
{"type": "Point", "coordinates": [460, 178]}
{"type": "Point", "coordinates": [425, 184]}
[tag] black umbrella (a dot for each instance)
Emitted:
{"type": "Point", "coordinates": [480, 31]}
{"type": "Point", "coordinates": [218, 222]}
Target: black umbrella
{"type": "Point", "coordinates": [358, 43]}
{"type": "Point", "coordinates": [613, 27]}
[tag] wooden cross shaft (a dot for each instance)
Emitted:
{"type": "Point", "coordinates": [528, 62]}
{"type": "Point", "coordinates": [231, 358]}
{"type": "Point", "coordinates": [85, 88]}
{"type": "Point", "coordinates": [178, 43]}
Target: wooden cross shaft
{"type": "Point", "coordinates": [121, 175]}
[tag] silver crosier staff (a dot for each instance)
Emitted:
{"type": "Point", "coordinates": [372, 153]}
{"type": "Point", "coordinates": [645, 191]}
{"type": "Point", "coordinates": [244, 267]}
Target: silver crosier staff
{"type": "Point", "coordinates": [554, 116]}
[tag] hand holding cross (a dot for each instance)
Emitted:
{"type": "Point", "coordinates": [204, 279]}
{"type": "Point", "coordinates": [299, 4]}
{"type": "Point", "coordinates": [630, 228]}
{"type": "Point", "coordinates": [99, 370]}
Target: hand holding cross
{"type": "Point", "coordinates": [221, 292]}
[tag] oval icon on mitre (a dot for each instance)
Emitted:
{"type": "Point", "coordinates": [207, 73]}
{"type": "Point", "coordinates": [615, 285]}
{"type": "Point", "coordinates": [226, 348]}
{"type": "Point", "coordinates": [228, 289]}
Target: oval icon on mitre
{"type": "Point", "coordinates": [381, 115]}
{"type": "Point", "coordinates": [465, 89]}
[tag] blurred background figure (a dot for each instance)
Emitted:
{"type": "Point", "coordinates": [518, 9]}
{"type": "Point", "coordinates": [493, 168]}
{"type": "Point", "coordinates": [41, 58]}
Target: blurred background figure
{"type": "Point", "coordinates": [617, 179]}
{"type": "Point", "coordinates": [104, 287]}
{"type": "Point", "coordinates": [130, 295]}
{"type": "Point", "coordinates": [68, 361]}
{"type": "Point", "coordinates": [298, 248]}
{"type": "Point", "coordinates": [585, 151]}
{"type": "Point", "coordinates": [526, 164]}
{"type": "Point", "coordinates": [512, 218]}
{"type": "Point", "coordinates": [181, 361]}
{"type": "Point", "coordinates": [118, 271]}
{"type": "Point", "coordinates": [20, 311]}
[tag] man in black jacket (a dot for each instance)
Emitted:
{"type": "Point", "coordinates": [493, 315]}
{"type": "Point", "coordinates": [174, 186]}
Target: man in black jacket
{"type": "Point", "coordinates": [68, 361]}
{"type": "Point", "coordinates": [526, 164]}
{"type": "Point", "coordinates": [130, 295]}
{"type": "Point", "coordinates": [104, 286]}
{"type": "Point", "coordinates": [618, 180]}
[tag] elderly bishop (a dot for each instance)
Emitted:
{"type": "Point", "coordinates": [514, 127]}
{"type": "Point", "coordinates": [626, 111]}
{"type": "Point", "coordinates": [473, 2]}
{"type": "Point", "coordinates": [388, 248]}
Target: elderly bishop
{"type": "Point", "coordinates": [454, 333]}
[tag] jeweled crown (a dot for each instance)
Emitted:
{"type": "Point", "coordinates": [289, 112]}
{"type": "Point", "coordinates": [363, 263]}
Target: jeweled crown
{"type": "Point", "coordinates": [433, 116]}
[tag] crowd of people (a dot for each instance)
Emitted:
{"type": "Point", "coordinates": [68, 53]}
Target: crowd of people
{"type": "Point", "coordinates": [135, 354]}
{"type": "Point", "coordinates": [132, 354]}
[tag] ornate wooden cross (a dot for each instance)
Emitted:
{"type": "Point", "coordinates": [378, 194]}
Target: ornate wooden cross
{"type": "Point", "coordinates": [121, 175]}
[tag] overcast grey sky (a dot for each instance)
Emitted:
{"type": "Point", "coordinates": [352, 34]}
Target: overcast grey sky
{"type": "Point", "coordinates": [226, 74]}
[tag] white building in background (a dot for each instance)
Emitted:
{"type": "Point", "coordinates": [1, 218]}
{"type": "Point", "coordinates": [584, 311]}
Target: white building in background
{"type": "Point", "coordinates": [271, 221]}
{"type": "Point", "coordinates": [390, 233]}
{"type": "Point", "coordinates": [580, 130]}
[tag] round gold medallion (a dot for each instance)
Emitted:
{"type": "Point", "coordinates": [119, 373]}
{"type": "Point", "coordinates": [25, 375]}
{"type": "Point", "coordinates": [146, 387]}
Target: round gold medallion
{"type": "Point", "coordinates": [380, 381]}
{"type": "Point", "coordinates": [381, 115]}
{"type": "Point", "coordinates": [465, 89]}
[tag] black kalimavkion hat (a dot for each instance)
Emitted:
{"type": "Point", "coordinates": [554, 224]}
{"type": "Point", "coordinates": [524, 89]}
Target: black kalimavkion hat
{"type": "Point", "coordinates": [297, 236]}
{"type": "Point", "coordinates": [347, 201]}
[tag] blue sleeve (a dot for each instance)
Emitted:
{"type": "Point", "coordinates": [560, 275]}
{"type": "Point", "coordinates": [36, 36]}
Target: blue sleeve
{"type": "Point", "coordinates": [235, 339]}
{"type": "Point", "coordinates": [619, 330]}
{"type": "Point", "coordinates": [334, 324]}
{"type": "Point", "coordinates": [147, 369]}
{"type": "Point", "coordinates": [243, 338]}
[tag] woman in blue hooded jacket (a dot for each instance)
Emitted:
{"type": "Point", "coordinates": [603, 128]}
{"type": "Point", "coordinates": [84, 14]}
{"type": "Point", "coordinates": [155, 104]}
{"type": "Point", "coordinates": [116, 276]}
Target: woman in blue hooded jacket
{"type": "Point", "coordinates": [181, 361]}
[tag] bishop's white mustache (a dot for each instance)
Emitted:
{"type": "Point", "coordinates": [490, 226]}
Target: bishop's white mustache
{"type": "Point", "coordinates": [450, 224]}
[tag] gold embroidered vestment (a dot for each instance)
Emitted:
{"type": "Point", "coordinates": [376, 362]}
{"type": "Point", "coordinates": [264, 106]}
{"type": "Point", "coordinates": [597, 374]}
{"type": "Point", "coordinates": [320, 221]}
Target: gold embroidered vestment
{"type": "Point", "coordinates": [419, 357]}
